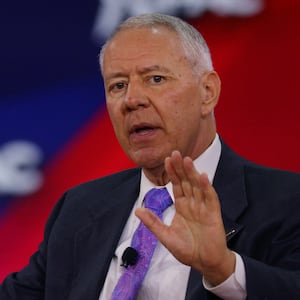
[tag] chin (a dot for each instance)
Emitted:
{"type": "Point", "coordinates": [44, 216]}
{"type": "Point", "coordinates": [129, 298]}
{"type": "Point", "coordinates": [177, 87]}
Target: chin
{"type": "Point", "coordinates": [147, 160]}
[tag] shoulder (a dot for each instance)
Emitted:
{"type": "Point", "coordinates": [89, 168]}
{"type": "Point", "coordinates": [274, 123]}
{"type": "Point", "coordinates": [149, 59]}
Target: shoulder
{"type": "Point", "coordinates": [109, 182]}
{"type": "Point", "coordinates": [255, 176]}
{"type": "Point", "coordinates": [279, 181]}
{"type": "Point", "coordinates": [83, 202]}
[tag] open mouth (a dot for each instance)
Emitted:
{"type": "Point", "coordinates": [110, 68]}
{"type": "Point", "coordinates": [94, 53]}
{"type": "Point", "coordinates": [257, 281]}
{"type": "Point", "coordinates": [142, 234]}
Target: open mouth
{"type": "Point", "coordinates": [141, 129]}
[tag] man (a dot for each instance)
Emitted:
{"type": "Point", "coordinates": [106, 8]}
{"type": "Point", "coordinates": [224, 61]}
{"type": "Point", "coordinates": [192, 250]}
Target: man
{"type": "Point", "coordinates": [233, 231]}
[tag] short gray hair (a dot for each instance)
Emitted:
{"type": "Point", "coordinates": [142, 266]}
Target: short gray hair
{"type": "Point", "coordinates": [192, 41]}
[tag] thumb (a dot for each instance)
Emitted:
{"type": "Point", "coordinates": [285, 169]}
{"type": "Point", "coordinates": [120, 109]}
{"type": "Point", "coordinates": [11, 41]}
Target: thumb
{"type": "Point", "coordinates": [152, 222]}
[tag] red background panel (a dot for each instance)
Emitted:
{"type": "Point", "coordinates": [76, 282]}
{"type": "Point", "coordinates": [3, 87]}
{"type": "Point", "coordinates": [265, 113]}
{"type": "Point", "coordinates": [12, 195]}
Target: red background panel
{"type": "Point", "coordinates": [258, 116]}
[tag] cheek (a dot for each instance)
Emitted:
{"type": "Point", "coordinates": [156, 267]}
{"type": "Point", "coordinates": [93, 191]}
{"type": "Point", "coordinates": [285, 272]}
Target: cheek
{"type": "Point", "coordinates": [172, 108]}
{"type": "Point", "coordinates": [113, 111]}
{"type": "Point", "coordinates": [184, 112]}
{"type": "Point", "coordinates": [116, 120]}
{"type": "Point", "coordinates": [181, 104]}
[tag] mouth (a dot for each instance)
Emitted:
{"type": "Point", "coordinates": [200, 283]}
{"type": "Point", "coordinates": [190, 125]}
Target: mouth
{"type": "Point", "coordinates": [141, 129]}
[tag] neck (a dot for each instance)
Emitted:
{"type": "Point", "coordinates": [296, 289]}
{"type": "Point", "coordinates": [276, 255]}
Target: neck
{"type": "Point", "coordinates": [158, 176]}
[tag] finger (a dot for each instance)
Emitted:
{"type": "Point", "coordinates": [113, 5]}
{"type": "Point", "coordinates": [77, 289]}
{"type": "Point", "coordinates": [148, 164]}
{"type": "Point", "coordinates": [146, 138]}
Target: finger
{"type": "Point", "coordinates": [194, 178]}
{"type": "Point", "coordinates": [192, 174]}
{"type": "Point", "coordinates": [182, 196]}
{"type": "Point", "coordinates": [171, 171]}
{"type": "Point", "coordinates": [176, 182]}
{"type": "Point", "coordinates": [173, 237]}
{"type": "Point", "coordinates": [199, 181]}
{"type": "Point", "coordinates": [211, 197]}
{"type": "Point", "coordinates": [152, 222]}
{"type": "Point", "coordinates": [178, 166]}
{"type": "Point", "coordinates": [203, 190]}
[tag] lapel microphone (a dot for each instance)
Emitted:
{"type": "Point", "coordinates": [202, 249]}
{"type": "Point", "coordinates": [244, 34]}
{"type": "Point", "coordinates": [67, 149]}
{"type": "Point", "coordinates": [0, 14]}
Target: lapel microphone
{"type": "Point", "coordinates": [130, 257]}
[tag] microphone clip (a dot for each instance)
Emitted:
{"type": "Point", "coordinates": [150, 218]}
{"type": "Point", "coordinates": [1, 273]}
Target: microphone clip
{"type": "Point", "coordinates": [130, 257]}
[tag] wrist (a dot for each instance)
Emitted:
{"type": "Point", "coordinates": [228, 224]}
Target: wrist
{"type": "Point", "coordinates": [217, 274]}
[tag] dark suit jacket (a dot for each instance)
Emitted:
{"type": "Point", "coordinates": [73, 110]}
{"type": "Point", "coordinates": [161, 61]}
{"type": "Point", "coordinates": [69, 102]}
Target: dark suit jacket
{"type": "Point", "coordinates": [261, 213]}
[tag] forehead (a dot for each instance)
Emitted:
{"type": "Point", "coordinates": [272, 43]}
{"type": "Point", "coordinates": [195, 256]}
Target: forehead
{"type": "Point", "coordinates": [134, 44]}
{"type": "Point", "coordinates": [155, 33]}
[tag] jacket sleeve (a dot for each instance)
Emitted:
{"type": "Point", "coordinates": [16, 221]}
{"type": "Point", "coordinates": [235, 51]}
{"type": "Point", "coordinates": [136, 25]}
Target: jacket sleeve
{"type": "Point", "coordinates": [276, 274]}
{"type": "Point", "coordinates": [268, 282]}
{"type": "Point", "coordinates": [29, 283]}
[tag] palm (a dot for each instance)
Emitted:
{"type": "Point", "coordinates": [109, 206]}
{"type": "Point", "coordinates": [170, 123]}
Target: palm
{"type": "Point", "coordinates": [196, 236]}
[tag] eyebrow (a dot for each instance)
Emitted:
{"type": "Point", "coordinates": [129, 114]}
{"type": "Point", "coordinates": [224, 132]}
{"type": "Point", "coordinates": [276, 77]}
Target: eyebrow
{"type": "Point", "coordinates": [153, 68]}
{"type": "Point", "coordinates": [116, 75]}
{"type": "Point", "coordinates": [142, 71]}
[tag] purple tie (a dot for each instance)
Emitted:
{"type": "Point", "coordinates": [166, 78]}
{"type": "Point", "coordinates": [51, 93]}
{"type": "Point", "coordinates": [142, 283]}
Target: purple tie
{"type": "Point", "coordinates": [144, 241]}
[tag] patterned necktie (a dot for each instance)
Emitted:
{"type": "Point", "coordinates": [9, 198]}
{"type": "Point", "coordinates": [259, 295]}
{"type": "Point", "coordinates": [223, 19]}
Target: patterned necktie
{"type": "Point", "coordinates": [144, 241]}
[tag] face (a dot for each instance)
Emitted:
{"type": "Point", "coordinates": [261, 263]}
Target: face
{"type": "Point", "coordinates": [155, 101]}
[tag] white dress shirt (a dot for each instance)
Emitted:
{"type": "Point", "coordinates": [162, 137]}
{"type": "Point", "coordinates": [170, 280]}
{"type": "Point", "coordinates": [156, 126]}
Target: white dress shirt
{"type": "Point", "coordinates": [167, 278]}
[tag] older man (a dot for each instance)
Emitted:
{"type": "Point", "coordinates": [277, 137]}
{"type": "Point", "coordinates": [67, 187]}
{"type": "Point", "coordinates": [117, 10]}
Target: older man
{"type": "Point", "coordinates": [231, 229]}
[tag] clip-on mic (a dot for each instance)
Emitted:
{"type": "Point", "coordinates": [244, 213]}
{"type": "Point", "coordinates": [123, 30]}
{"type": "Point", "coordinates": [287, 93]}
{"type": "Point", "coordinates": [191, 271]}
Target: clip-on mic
{"type": "Point", "coordinates": [130, 257]}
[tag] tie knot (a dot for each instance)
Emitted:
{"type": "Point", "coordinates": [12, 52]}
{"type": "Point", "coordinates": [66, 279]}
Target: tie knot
{"type": "Point", "coordinates": [158, 200]}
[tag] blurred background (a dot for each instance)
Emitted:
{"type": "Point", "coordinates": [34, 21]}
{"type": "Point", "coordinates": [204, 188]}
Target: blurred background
{"type": "Point", "coordinates": [54, 130]}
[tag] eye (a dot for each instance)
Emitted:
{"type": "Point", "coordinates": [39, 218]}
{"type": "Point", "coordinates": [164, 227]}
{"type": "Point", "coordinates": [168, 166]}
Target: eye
{"type": "Point", "coordinates": [157, 79]}
{"type": "Point", "coordinates": [119, 85]}
{"type": "Point", "coordinates": [116, 87]}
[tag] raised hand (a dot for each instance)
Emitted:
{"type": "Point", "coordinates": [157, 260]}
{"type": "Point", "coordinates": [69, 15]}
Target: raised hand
{"type": "Point", "coordinates": [196, 236]}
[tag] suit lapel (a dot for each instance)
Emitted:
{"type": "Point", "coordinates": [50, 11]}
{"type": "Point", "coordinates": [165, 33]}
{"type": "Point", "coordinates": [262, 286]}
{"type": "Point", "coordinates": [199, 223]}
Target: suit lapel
{"type": "Point", "coordinates": [229, 183]}
{"type": "Point", "coordinates": [96, 241]}
{"type": "Point", "coordinates": [230, 187]}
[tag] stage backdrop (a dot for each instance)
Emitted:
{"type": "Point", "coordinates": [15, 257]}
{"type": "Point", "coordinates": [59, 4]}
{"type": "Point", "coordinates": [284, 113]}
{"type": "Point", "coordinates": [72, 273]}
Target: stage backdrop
{"type": "Point", "coordinates": [54, 129]}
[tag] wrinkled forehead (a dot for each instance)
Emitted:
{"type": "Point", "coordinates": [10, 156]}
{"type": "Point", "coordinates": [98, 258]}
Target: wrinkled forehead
{"type": "Point", "coordinates": [150, 28]}
{"type": "Point", "coordinates": [143, 44]}
{"type": "Point", "coordinates": [121, 37]}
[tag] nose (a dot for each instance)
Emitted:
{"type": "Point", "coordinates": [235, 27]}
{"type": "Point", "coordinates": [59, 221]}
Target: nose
{"type": "Point", "coordinates": [136, 97]}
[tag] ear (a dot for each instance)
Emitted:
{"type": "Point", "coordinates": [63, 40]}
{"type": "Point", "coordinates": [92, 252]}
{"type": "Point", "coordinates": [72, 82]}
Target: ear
{"type": "Point", "coordinates": [210, 90]}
